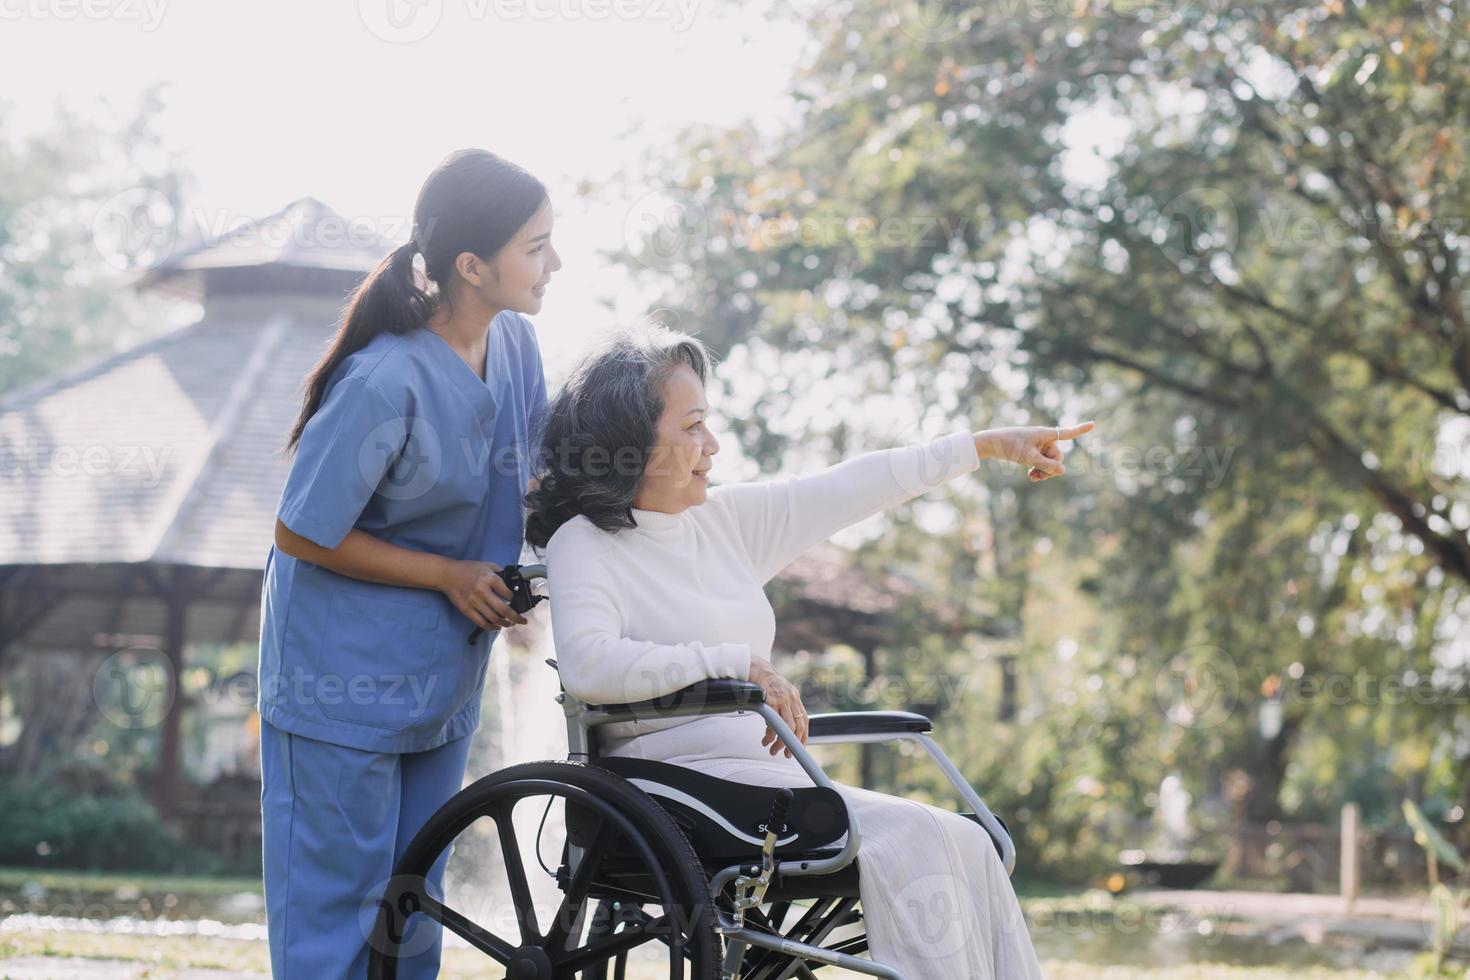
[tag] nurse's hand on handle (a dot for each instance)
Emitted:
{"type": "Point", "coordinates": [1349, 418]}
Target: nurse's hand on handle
{"type": "Point", "coordinates": [473, 586]}
{"type": "Point", "coordinates": [782, 695]}
{"type": "Point", "coordinates": [1032, 446]}
{"type": "Point", "coordinates": [481, 594]}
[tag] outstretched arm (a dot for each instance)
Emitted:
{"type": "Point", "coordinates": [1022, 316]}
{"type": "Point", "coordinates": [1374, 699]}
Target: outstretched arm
{"type": "Point", "coordinates": [780, 519]}
{"type": "Point", "coordinates": [597, 663]}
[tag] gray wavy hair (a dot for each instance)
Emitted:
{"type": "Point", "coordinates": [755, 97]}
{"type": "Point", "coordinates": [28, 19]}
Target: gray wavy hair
{"type": "Point", "coordinates": [599, 429]}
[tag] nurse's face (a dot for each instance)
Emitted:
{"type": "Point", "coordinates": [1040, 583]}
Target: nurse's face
{"type": "Point", "coordinates": [515, 278]}
{"type": "Point", "coordinates": [676, 476]}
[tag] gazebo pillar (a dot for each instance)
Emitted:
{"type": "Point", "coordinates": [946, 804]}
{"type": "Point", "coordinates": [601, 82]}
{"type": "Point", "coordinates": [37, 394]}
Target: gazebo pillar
{"type": "Point", "coordinates": [170, 765]}
{"type": "Point", "coordinates": [170, 547]}
{"type": "Point", "coordinates": [865, 749]}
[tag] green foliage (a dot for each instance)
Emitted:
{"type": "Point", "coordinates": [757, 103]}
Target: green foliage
{"type": "Point", "coordinates": [1446, 905]}
{"type": "Point", "coordinates": [1427, 836]}
{"type": "Point", "coordinates": [52, 822]}
{"type": "Point", "coordinates": [69, 202]}
{"type": "Point", "coordinates": [1255, 569]}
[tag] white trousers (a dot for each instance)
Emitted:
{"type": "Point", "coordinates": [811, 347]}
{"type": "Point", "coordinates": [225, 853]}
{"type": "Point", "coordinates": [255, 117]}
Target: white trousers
{"type": "Point", "coordinates": [937, 902]}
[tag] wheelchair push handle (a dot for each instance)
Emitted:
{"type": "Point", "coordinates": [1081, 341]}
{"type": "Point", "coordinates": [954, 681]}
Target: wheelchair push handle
{"type": "Point", "coordinates": [519, 579]}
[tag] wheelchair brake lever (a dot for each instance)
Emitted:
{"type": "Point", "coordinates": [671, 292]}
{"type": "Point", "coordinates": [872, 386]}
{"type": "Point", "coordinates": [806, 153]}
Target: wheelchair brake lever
{"type": "Point", "coordinates": [522, 599]}
{"type": "Point", "coordinates": [750, 888]}
{"type": "Point", "coordinates": [776, 825]}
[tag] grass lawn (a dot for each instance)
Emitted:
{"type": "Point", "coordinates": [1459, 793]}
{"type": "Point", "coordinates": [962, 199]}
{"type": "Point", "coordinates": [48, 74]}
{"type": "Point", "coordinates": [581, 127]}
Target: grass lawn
{"type": "Point", "coordinates": [166, 957]}
{"type": "Point", "coordinates": [65, 953]}
{"type": "Point", "coordinates": [101, 881]}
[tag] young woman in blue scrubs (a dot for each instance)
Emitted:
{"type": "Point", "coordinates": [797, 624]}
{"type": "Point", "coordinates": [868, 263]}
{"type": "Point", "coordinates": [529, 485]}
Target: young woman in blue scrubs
{"type": "Point", "coordinates": [404, 498]}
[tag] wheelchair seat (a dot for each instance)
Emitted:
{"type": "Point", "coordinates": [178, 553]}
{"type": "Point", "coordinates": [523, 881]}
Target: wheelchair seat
{"type": "Point", "coordinates": [655, 854]}
{"type": "Point", "coordinates": [725, 822]}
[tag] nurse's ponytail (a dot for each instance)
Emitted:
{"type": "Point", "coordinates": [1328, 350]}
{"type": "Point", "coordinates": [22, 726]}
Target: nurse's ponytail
{"type": "Point", "coordinates": [474, 201]}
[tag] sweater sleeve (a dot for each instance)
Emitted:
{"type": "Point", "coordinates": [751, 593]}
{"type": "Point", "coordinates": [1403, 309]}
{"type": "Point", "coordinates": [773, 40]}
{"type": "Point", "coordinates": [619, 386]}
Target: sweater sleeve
{"type": "Point", "coordinates": [597, 663]}
{"type": "Point", "coordinates": [777, 520]}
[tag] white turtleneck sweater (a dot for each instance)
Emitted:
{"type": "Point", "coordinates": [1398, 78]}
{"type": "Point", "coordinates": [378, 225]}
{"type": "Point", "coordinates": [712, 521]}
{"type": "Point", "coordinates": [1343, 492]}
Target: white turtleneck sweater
{"type": "Point", "coordinates": [641, 612]}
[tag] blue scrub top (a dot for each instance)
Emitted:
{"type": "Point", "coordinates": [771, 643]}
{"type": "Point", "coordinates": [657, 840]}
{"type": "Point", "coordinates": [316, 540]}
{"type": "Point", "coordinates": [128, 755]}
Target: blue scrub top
{"type": "Point", "coordinates": [412, 447]}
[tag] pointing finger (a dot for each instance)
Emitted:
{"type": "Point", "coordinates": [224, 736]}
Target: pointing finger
{"type": "Point", "coordinates": [1074, 431]}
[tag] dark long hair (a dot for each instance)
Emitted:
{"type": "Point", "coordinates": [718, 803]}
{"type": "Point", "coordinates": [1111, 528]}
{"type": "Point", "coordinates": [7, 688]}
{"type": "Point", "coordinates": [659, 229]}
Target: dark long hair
{"type": "Point", "coordinates": [474, 201]}
{"type": "Point", "coordinates": [599, 429]}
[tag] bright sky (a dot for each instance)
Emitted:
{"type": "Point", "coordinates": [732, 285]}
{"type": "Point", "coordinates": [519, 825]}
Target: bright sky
{"type": "Point", "coordinates": [354, 101]}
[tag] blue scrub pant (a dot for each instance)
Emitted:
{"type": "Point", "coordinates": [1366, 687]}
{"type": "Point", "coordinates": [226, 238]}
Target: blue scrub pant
{"type": "Point", "coordinates": [335, 820]}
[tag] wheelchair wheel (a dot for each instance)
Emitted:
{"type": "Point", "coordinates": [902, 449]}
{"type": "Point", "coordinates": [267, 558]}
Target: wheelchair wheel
{"type": "Point", "coordinates": [635, 881]}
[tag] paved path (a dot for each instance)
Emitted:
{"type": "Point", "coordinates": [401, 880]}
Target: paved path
{"type": "Point", "coordinates": [1401, 922]}
{"type": "Point", "coordinates": [76, 968]}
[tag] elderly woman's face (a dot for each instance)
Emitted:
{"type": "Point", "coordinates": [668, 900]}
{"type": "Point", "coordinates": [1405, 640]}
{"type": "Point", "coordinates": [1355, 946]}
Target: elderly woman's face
{"type": "Point", "coordinates": [678, 465]}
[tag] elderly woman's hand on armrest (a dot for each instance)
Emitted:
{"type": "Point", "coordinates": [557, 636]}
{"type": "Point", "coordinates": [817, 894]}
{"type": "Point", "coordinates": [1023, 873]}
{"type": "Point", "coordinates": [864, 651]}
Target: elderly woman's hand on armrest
{"type": "Point", "coordinates": [782, 695]}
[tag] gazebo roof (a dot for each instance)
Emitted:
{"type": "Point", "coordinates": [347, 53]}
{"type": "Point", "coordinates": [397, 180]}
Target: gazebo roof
{"type": "Point", "coordinates": [166, 453]}
{"type": "Point", "coordinates": [305, 242]}
{"type": "Point", "coordinates": [166, 458]}
{"type": "Point", "coordinates": [157, 471]}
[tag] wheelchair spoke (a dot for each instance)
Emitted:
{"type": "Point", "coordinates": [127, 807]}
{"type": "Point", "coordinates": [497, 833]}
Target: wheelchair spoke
{"type": "Point", "coordinates": [777, 915]}
{"type": "Point", "coordinates": [474, 934]}
{"type": "Point", "coordinates": [813, 928]}
{"type": "Point", "coordinates": [576, 895]}
{"type": "Point", "coordinates": [807, 924]}
{"type": "Point", "coordinates": [618, 942]}
{"type": "Point", "coordinates": [515, 873]}
{"type": "Point", "coordinates": [839, 916]}
{"type": "Point", "coordinates": [758, 963]}
{"type": "Point", "coordinates": [625, 865]}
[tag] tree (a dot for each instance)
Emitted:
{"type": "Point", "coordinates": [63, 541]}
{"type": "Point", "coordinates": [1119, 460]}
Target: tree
{"type": "Point", "coordinates": [1258, 287]}
{"type": "Point", "coordinates": [83, 206]}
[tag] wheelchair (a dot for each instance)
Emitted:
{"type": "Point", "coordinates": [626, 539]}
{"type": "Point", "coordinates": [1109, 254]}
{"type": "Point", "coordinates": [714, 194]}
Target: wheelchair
{"type": "Point", "coordinates": [720, 879]}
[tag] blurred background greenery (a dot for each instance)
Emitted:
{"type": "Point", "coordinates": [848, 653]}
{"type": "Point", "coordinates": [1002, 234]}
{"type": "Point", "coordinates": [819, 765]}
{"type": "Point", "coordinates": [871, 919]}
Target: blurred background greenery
{"type": "Point", "coordinates": [1233, 234]}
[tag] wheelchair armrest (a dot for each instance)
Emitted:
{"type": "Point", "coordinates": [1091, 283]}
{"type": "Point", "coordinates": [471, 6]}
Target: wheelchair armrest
{"type": "Point", "coordinates": [714, 695]}
{"type": "Point", "coordinates": [837, 725]}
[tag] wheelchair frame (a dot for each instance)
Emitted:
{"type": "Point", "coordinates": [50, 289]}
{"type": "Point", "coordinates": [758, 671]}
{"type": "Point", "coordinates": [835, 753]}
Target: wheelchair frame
{"type": "Point", "coordinates": [750, 881]}
{"type": "Point", "coordinates": [725, 696]}
{"type": "Point", "coordinates": [843, 727]}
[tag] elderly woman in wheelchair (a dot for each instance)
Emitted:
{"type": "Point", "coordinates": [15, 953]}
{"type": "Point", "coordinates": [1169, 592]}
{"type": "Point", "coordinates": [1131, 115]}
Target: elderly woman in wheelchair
{"type": "Point", "coordinates": [696, 821]}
